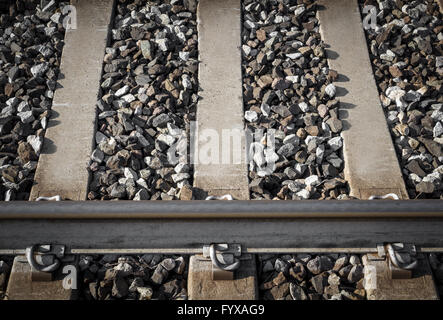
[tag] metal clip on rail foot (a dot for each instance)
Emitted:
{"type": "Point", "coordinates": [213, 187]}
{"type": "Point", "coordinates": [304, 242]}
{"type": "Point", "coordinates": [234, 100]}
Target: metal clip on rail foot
{"type": "Point", "coordinates": [393, 196]}
{"type": "Point", "coordinates": [225, 259]}
{"type": "Point", "coordinates": [401, 259]}
{"type": "Point", "coordinates": [53, 198]}
{"type": "Point", "coordinates": [224, 197]}
{"type": "Point", "coordinates": [44, 260]}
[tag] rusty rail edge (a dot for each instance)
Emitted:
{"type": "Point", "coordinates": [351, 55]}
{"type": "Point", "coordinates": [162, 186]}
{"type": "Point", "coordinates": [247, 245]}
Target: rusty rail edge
{"type": "Point", "coordinates": [306, 209]}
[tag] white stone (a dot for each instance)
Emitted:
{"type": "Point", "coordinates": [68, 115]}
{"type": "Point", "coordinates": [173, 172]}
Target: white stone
{"type": "Point", "coordinates": [438, 130]}
{"type": "Point", "coordinates": [173, 130]}
{"type": "Point", "coordinates": [13, 102]}
{"type": "Point", "coordinates": [300, 168]}
{"type": "Point", "coordinates": [124, 267]}
{"type": "Point", "coordinates": [40, 69]}
{"type": "Point", "coordinates": [183, 55]}
{"type": "Point", "coordinates": [278, 19]}
{"type": "Point", "coordinates": [312, 181]}
{"type": "Point", "coordinates": [26, 117]}
{"type": "Point", "coordinates": [390, 53]}
{"type": "Point", "coordinates": [181, 168]}
{"type": "Point", "coordinates": [187, 84]}
{"type": "Point", "coordinates": [330, 90]}
{"type": "Point", "coordinates": [293, 79]}
{"type": "Point", "coordinates": [335, 143]}
{"type": "Point", "coordinates": [251, 116]}
{"type": "Point", "coordinates": [433, 177]}
{"type": "Point", "coordinates": [299, 11]}
{"type": "Point", "coordinates": [246, 49]}
{"type": "Point", "coordinates": [414, 178]}
{"type": "Point", "coordinates": [142, 183]}
{"type": "Point", "coordinates": [303, 106]}
{"type": "Point", "coordinates": [294, 56]}
{"type": "Point", "coordinates": [130, 174]}
{"type": "Point", "coordinates": [122, 91]}
{"type": "Point", "coordinates": [165, 19]}
{"type": "Point", "coordinates": [23, 107]}
{"type": "Point", "coordinates": [36, 142]}
{"type": "Point", "coordinates": [292, 139]}
{"type": "Point", "coordinates": [166, 139]}
{"type": "Point", "coordinates": [387, 57]}
{"type": "Point", "coordinates": [319, 153]}
{"type": "Point", "coordinates": [437, 115]}
{"type": "Point", "coordinates": [180, 176]}
{"type": "Point", "coordinates": [249, 24]}
{"type": "Point", "coordinates": [295, 186]}
{"type": "Point", "coordinates": [181, 36]}
{"type": "Point", "coordinates": [394, 92]}
{"type": "Point", "coordinates": [145, 173]}
{"type": "Point", "coordinates": [354, 260]}
{"type": "Point", "coordinates": [162, 44]}
{"type": "Point", "coordinates": [304, 194]}
{"type": "Point", "coordinates": [265, 109]}
{"type": "Point", "coordinates": [128, 98]}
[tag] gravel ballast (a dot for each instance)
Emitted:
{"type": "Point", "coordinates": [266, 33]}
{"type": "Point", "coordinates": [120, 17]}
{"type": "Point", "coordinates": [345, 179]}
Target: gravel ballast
{"type": "Point", "coordinates": [31, 43]}
{"type": "Point", "coordinates": [149, 96]}
{"type": "Point", "coordinates": [406, 50]}
{"type": "Point", "coordinates": [288, 93]}
{"type": "Point", "coordinates": [311, 277]}
{"type": "Point", "coordinates": [144, 277]}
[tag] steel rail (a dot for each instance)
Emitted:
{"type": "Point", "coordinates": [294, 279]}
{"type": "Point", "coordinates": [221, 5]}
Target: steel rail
{"type": "Point", "coordinates": [305, 209]}
{"type": "Point", "coordinates": [192, 251]}
{"type": "Point", "coordinates": [194, 233]}
{"type": "Point", "coordinates": [188, 225]}
{"type": "Point", "coordinates": [252, 233]}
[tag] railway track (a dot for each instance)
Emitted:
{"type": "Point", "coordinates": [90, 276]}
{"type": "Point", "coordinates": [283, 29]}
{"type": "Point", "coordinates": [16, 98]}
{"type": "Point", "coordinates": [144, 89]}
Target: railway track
{"type": "Point", "coordinates": [337, 102]}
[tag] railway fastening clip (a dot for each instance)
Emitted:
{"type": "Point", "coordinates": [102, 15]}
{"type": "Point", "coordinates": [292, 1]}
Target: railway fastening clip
{"type": "Point", "coordinates": [398, 271]}
{"type": "Point", "coordinates": [45, 260]}
{"type": "Point", "coordinates": [401, 259]}
{"type": "Point", "coordinates": [225, 258]}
